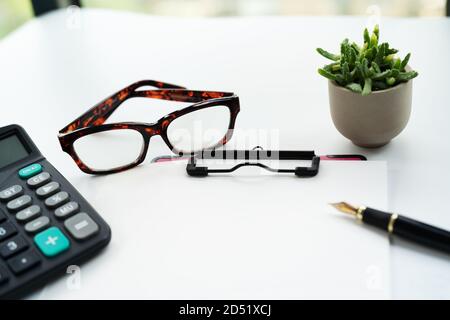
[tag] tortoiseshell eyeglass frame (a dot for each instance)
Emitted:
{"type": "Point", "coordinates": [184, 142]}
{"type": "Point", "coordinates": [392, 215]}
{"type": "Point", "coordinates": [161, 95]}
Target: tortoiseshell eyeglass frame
{"type": "Point", "coordinates": [93, 120]}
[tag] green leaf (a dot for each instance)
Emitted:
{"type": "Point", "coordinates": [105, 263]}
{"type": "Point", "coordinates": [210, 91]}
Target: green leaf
{"type": "Point", "coordinates": [367, 87]}
{"type": "Point", "coordinates": [373, 40]}
{"type": "Point", "coordinates": [355, 87]}
{"type": "Point", "coordinates": [397, 64]}
{"type": "Point", "coordinates": [376, 67]}
{"type": "Point", "coordinates": [389, 58]}
{"type": "Point", "coordinates": [340, 79]}
{"type": "Point", "coordinates": [336, 67]}
{"type": "Point", "coordinates": [376, 31]}
{"type": "Point", "coordinates": [395, 73]}
{"type": "Point", "coordinates": [391, 50]}
{"type": "Point", "coordinates": [327, 74]}
{"type": "Point", "coordinates": [365, 65]}
{"type": "Point", "coordinates": [328, 55]}
{"type": "Point", "coordinates": [406, 76]}
{"type": "Point", "coordinates": [366, 37]}
{"type": "Point", "coordinates": [345, 56]}
{"type": "Point", "coordinates": [405, 61]}
{"type": "Point", "coordinates": [355, 46]}
{"type": "Point", "coordinates": [344, 45]}
{"type": "Point", "coordinates": [352, 57]}
{"type": "Point", "coordinates": [382, 75]}
{"type": "Point", "coordinates": [353, 73]}
{"type": "Point", "coordinates": [371, 53]}
{"type": "Point", "coordinates": [390, 81]}
{"type": "Point", "coordinates": [364, 48]}
{"type": "Point", "coordinates": [381, 53]}
{"type": "Point", "coordinates": [359, 70]}
{"type": "Point", "coordinates": [329, 67]}
{"type": "Point", "coordinates": [346, 72]}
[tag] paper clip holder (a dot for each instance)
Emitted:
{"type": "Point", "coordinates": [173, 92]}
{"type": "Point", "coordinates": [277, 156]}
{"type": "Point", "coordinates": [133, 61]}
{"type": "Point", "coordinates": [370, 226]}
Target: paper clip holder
{"type": "Point", "coordinates": [254, 155]}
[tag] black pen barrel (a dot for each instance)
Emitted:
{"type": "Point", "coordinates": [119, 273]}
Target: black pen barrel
{"type": "Point", "coordinates": [409, 229]}
{"type": "Point", "coordinates": [422, 233]}
{"type": "Point", "coordinates": [376, 218]}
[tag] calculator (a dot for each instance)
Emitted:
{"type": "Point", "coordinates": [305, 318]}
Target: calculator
{"type": "Point", "coordinates": [45, 224]}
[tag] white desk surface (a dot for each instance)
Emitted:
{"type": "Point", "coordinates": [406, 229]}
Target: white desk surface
{"type": "Point", "coordinates": [52, 70]}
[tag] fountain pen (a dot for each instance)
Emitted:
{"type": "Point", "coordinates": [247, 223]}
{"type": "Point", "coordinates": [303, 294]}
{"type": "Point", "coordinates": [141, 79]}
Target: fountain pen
{"type": "Point", "coordinates": [401, 226]}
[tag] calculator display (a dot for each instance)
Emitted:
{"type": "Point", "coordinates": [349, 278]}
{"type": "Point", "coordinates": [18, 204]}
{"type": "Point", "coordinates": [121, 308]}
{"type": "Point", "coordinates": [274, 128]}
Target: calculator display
{"type": "Point", "coordinates": [11, 150]}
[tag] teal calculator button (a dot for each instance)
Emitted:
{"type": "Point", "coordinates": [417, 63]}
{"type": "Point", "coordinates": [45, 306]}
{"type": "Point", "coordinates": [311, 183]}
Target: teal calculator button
{"type": "Point", "coordinates": [52, 242]}
{"type": "Point", "coordinates": [30, 171]}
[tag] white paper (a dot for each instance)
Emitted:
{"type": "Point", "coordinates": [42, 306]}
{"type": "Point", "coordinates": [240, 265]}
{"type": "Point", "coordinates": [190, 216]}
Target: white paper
{"type": "Point", "coordinates": [243, 236]}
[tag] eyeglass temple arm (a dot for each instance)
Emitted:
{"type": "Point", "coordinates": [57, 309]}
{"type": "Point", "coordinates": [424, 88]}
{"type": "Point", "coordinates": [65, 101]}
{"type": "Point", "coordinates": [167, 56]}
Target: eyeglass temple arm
{"type": "Point", "coordinates": [98, 114]}
{"type": "Point", "coordinates": [192, 96]}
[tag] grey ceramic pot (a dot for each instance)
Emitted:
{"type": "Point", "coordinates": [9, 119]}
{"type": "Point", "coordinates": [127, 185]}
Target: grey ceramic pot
{"type": "Point", "coordinates": [374, 120]}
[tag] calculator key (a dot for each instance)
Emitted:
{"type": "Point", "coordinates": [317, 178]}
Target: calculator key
{"type": "Point", "coordinates": [28, 213]}
{"type": "Point", "coordinates": [81, 226]}
{"type": "Point", "coordinates": [13, 246]}
{"type": "Point", "coordinates": [19, 203]}
{"type": "Point", "coordinates": [67, 210]}
{"type": "Point", "coordinates": [23, 262]}
{"type": "Point", "coordinates": [52, 242]}
{"type": "Point", "coordinates": [3, 276]}
{"type": "Point", "coordinates": [11, 193]}
{"type": "Point", "coordinates": [2, 215]}
{"type": "Point", "coordinates": [39, 180]}
{"type": "Point", "coordinates": [7, 230]}
{"type": "Point", "coordinates": [58, 199]}
{"type": "Point", "coordinates": [37, 225]}
{"type": "Point", "coordinates": [30, 171]}
{"type": "Point", "coordinates": [48, 189]}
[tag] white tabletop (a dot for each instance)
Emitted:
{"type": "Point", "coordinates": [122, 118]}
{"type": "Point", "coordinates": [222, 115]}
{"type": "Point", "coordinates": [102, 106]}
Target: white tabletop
{"type": "Point", "coordinates": [53, 69]}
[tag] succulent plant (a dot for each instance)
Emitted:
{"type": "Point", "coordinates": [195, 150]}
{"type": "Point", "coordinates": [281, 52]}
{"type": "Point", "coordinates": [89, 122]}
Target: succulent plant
{"type": "Point", "coordinates": [366, 68]}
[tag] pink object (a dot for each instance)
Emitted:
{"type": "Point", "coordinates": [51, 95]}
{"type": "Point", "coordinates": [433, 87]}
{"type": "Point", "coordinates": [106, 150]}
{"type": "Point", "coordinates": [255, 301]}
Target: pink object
{"type": "Point", "coordinates": [169, 159]}
{"type": "Point", "coordinates": [326, 158]}
{"type": "Point", "coordinates": [340, 159]}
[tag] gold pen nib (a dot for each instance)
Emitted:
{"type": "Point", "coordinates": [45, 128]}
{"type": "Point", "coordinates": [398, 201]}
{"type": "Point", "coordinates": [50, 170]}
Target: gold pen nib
{"type": "Point", "coordinates": [345, 207]}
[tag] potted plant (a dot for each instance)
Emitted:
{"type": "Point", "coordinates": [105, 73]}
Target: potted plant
{"type": "Point", "coordinates": [370, 90]}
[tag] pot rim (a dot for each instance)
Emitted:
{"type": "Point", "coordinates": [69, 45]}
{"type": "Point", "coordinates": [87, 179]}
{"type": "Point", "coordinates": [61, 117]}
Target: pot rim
{"type": "Point", "coordinates": [397, 86]}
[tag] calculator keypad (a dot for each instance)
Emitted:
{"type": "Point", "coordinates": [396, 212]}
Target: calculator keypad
{"type": "Point", "coordinates": [52, 242]}
{"type": "Point", "coordinates": [48, 189]}
{"type": "Point", "coordinates": [29, 213]}
{"type": "Point", "coordinates": [30, 171]}
{"type": "Point", "coordinates": [81, 226]}
{"type": "Point", "coordinates": [11, 193]}
{"type": "Point", "coordinates": [67, 210]}
{"type": "Point", "coordinates": [18, 251]}
{"type": "Point", "coordinates": [7, 230]}
{"type": "Point", "coordinates": [24, 261]}
{"type": "Point", "coordinates": [37, 224]}
{"type": "Point", "coordinates": [57, 200]}
{"type": "Point", "coordinates": [19, 203]}
{"type": "Point", "coordinates": [13, 246]}
{"type": "Point", "coordinates": [39, 180]}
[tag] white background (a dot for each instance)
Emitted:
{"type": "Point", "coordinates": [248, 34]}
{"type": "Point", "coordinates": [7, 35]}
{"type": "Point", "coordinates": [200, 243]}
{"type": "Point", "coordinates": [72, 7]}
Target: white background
{"type": "Point", "coordinates": [54, 68]}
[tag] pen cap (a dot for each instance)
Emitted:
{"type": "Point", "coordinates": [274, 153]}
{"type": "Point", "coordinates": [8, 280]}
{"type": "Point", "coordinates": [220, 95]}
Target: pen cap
{"type": "Point", "coordinates": [422, 233]}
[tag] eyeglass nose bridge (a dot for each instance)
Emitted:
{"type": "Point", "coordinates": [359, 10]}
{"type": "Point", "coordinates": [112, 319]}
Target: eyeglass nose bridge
{"type": "Point", "coordinates": [158, 128]}
{"type": "Point", "coordinates": [152, 130]}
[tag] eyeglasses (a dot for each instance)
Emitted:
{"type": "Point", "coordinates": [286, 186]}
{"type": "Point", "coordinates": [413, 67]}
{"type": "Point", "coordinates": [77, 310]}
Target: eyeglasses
{"type": "Point", "coordinates": [99, 148]}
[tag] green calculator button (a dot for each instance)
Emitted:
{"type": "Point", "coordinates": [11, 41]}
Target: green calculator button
{"type": "Point", "coordinates": [30, 171]}
{"type": "Point", "coordinates": [52, 242]}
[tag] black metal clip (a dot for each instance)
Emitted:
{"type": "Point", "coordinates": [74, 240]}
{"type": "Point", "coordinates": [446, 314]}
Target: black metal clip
{"type": "Point", "coordinates": [254, 155]}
